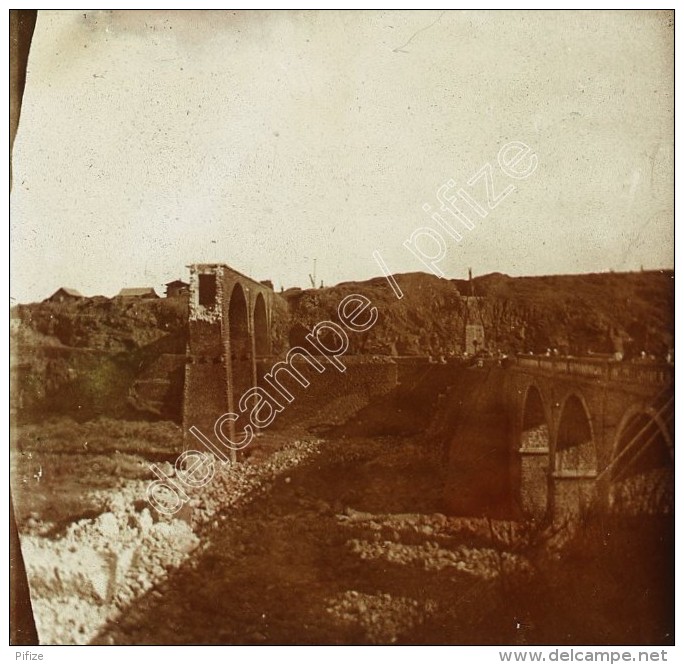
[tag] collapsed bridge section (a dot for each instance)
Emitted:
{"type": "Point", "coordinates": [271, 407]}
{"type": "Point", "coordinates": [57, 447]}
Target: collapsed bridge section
{"type": "Point", "coordinates": [230, 324]}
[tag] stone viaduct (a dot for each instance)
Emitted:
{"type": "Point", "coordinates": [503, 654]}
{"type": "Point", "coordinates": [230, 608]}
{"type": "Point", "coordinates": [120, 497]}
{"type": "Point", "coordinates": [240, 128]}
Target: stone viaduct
{"type": "Point", "coordinates": [582, 432]}
{"type": "Point", "coordinates": [230, 322]}
{"type": "Point", "coordinates": [591, 432]}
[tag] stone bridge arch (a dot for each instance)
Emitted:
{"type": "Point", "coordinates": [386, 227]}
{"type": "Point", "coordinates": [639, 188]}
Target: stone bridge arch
{"type": "Point", "coordinates": [594, 408]}
{"type": "Point", "coordinates": [575, 459]}
{"type": "Point", "coordinates": [641, 470]}
{"type": "Point", "coordinates": [262, 336]}
{"type": "Point", "coordinates": [534, 448]}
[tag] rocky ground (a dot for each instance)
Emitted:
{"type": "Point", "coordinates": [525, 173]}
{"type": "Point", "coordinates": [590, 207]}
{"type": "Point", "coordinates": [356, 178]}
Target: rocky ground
{"type": "Point", "coordinates": [342, 540]}
{"type": "Point", "coordinates": [98, 566]}
{"type": "Point", "coordinates": [306, 541]}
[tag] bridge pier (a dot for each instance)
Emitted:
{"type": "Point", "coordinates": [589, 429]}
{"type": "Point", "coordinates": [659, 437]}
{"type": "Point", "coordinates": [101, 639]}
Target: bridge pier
{"type": "Point", "coordinates": [534, 482]}
{"type": "Point", "coordinates": [534, 470]}
{"type": "Point", "coordinates": [534, 456]}
{"type": "Point", "coordinates": [572, 493]}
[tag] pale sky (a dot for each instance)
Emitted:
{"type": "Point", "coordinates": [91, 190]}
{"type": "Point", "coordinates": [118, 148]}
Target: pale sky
{"type": "Point", "coordinates": [153, 139]}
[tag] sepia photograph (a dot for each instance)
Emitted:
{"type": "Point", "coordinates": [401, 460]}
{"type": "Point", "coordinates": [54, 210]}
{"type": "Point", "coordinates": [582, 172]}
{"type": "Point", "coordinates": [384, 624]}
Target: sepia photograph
{"type": "Point", "coordinates": [342, 327]}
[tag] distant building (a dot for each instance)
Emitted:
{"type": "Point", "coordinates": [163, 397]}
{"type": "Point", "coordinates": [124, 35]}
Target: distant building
{"type": "Point", "coordinates": [267, 282]}
{"type": "Point", "coordinates": [177, 288]}
{"type": "Point", "coordinates": [142, 292]}
{"type": "Point", "coordinates": [64, 295]}
{"type": "Point", "coordinates": [474, 338]}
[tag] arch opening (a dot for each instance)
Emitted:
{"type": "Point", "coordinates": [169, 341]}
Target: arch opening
{"type": "Point", "coordinates": [261, 336]}
{"type": "Point", "coordinates": [240, 343]}
{"type": "Point", "coordinates": [575, 448]}
{"type": "Point", "coordinates": [535, 429]}
{"type": "Point", "coordinates": [575, 461]}
{"type": "Point", "coordinates": [642, 470]}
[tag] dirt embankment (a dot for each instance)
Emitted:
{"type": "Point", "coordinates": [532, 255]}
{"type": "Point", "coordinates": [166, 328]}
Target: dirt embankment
{"type": "Point", "coordinates": [98, 566]}
{"type": "Point", "coordinates": [83, 358]}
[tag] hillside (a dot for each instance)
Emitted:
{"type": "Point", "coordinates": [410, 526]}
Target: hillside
{"type": "Point", "coordinates": [573, 313]}
{"type": "Point", "coordinates": [113, 357]}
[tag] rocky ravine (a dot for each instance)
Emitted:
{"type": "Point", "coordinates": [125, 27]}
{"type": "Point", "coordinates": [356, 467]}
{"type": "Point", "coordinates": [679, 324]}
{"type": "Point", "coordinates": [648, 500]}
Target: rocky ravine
{"type": "Point", "coordinates": [342, 541]}
{"type": "Point", "coordinates": [289, 516]}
